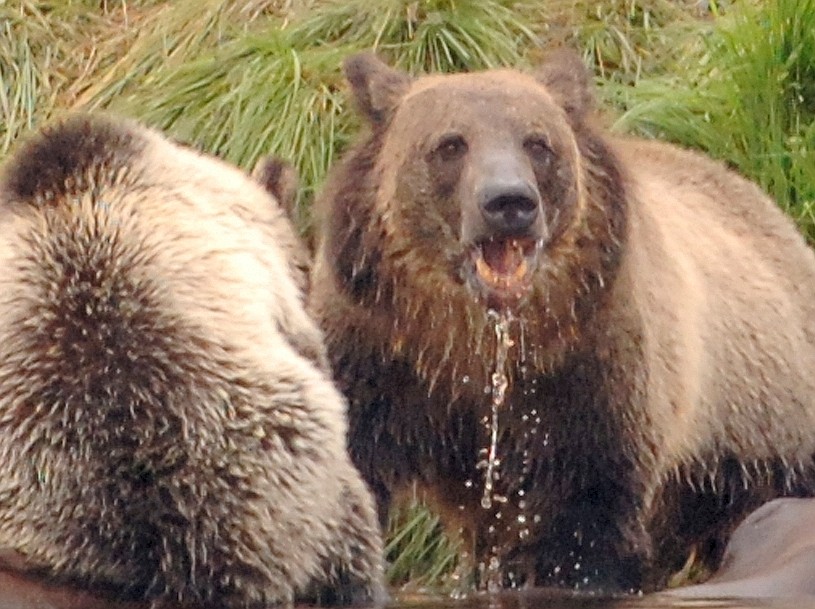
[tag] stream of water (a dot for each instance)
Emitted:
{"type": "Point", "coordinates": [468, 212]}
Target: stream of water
{"type": "Point", "coordinates": [498, 390]}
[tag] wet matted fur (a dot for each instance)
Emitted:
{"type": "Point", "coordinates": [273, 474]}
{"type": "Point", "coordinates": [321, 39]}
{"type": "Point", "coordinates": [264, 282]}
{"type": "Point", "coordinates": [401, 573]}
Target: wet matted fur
{"type": "Point", "coordinates": [661, 326]}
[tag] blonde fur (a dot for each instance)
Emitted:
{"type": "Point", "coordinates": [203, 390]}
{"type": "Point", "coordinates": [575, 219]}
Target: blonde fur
{"type": "Point", "coordinates": [166, 430]}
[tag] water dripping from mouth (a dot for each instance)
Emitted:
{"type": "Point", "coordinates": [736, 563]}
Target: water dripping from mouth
{"type": "Point", "coordinates": [498, 389]}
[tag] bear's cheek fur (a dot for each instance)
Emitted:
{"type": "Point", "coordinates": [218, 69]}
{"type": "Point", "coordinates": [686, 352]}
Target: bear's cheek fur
{"type": "Point", "coordinates": [558, 187]}
{"type": "Point", "coordinates": [421, 215]}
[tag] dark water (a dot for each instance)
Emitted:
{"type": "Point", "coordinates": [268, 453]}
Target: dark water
{"type": "Point", "coordinates": [546, 599]}
{"type": "Point", "coordinates": [19, 593]}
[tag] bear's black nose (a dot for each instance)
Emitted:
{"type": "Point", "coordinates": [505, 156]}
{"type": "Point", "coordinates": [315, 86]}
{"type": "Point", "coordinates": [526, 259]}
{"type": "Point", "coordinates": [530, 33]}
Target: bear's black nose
{"type": "Point", "coordinates": [509, 208]}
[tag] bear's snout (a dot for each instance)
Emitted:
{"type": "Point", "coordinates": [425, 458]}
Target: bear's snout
{"type": "Point", "coordinates": [509, 207]}
{"type": "Point", "coordinates": [506, 202]}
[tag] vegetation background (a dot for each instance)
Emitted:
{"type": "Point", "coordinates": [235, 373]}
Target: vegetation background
{"type": "Point", "coordinates": [245, 78]}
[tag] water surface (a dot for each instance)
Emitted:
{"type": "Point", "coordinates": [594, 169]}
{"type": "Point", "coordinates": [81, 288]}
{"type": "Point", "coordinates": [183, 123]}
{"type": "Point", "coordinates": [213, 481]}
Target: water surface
{"type": "Point", "coordinates": [555, 599]}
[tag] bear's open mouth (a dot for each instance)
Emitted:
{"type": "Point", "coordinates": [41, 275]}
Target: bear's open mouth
{"type": "Point", "coordinates": [504, 267]}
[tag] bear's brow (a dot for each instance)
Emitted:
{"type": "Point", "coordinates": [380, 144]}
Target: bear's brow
{"type": "Point", "coordinates": [475, 82]}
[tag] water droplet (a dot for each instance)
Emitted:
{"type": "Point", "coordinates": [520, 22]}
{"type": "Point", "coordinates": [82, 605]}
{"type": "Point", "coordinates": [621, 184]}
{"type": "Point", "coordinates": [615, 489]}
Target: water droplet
{"type": "Point", "coordinates": [536, 518]}
{"type": "Point", "coordinates": [556, 570]}
{"type": "Point", "coordinates": [486, 502]}
{"type": "Point", "coordinates": [465, 379]}
{"type": "Point", "coordinates": [468, 483]}
{"type": "Point", "coordinates": [494, 575]}
{"type": "Point", "coordinates": [521, 518]}
{"type": "Point", "coordinates": [577, 566]}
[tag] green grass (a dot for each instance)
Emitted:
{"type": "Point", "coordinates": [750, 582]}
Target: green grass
{"type": "Point", "coordinates": [420, 556]}
{"type": "Point", "coordinates": [621, 39]}
{"type": "Point", "coordinates": [441, 35]}
{"type": "Point", "coordinates": [168, 34]}
{"type": "Point", "coordinates": [33, 48]}
{"type": "Point", "coordinates": [256, 96]}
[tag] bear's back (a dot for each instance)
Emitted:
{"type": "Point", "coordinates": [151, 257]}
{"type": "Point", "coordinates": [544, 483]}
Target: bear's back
{"type": "Point", "coordinates": [164, 419]}
{"type": "Point", "coordinates": [743, 279]}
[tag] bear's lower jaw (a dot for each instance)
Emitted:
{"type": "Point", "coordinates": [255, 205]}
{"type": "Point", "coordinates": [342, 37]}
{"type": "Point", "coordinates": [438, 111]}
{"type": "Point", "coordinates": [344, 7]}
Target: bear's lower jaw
{"type": "Point", "coordinates": [501, 270]}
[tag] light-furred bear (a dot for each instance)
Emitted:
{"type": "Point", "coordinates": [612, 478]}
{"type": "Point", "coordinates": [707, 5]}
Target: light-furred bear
{"type": "Point", "coordinates": [168, 429]}
{"type": "Point", "coordinates": [656, 310]}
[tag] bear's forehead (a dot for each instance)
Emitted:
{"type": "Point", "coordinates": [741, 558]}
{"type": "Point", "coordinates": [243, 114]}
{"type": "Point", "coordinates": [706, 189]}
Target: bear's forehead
{"type": "Point", "coordinates": [491, 99]}
{"type": "Point", "coordinates": [479, 88]}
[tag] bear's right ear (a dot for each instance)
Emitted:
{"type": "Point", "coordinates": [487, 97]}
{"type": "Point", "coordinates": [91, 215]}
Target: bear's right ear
{"type": "Point", "coordinates": [377, 87]}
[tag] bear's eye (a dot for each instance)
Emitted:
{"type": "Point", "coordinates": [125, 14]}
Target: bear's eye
{"type": "Point", "coordinates": [538, 148]}
{"type": "Point", "coordinates": [450, 147]}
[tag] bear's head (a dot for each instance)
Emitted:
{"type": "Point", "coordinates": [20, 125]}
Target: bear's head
{"type": "Point", "coordinates": [482, 175]}
{"type": "Point", "coordinates": [471, 193]}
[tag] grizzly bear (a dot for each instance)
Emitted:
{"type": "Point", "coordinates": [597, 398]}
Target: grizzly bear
{"type": "Point", "coordinates": [168, 429]}
{"type": "Point", "coordinates": [592, 355]}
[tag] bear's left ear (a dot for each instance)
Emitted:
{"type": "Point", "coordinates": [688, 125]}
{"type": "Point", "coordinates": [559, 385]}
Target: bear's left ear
{"type": "Point", "coordinates": [377, 87]}
{"type": "Point", "coordinates": [279, 179]}
{"type": "Point", "coordinates": [567, 79]}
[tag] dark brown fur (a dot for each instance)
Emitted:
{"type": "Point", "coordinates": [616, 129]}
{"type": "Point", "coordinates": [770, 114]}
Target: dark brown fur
{"type": "Point", "coordinates": [167, 433]}
{"type": "Point", "coordinates": [658, 384]}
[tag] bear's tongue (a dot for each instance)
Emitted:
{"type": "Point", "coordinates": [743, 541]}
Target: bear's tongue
{"type": "Point", "coordinates": [502, 261]}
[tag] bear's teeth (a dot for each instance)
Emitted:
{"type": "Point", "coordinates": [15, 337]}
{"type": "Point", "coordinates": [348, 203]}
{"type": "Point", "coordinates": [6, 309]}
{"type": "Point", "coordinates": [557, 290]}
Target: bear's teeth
{"type": "Point", "coordinates": [520, 272]}
{"type": "Point", "coordinates": [485, 271]}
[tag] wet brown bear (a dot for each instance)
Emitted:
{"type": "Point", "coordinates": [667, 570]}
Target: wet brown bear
{"type": "Point", "coordinates": [167, 431]}
{"type": "Point", "coordinates": [659, 310]}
